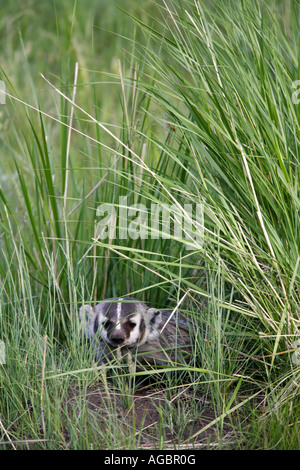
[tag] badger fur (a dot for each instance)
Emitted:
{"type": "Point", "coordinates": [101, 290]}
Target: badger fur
{"type": "Point", "coordinates": [120, 325]}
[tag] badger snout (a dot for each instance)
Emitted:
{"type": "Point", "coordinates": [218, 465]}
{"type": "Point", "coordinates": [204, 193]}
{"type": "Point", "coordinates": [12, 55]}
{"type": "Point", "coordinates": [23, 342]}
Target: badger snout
{"type": "Point", "coordinates": [117, 338]}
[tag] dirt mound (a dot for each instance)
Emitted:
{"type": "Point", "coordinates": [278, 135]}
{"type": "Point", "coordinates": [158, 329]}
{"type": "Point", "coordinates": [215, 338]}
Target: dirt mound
{"type": "Point", "coordinates": [148, 418]}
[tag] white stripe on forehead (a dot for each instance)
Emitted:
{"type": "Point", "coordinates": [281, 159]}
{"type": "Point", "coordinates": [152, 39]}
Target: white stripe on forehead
{"type": "Point", "coordinates": [119, 315]}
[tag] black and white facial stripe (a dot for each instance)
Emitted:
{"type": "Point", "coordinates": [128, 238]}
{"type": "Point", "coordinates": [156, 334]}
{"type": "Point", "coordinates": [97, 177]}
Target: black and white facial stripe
{"type": "Point", "coordinates": [121, 322]}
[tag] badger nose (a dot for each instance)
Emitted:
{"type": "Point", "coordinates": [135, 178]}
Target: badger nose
{"type": "Point", "coordinates": [117, 339]}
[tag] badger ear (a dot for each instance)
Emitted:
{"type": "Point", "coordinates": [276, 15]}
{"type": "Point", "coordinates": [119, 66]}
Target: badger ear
{"type": "Point", "coordinates": [87, 317]}
{"type": "Point", "coordinates": [154, 317]}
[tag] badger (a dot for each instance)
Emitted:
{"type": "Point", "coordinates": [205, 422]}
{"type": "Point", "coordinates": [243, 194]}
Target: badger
{"type": "Point", "coordinates": [117, 326]}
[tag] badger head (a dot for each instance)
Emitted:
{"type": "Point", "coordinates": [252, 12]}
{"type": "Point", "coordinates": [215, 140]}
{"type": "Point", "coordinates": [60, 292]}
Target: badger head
{"type": "Point", "coordinates": [121, 322]}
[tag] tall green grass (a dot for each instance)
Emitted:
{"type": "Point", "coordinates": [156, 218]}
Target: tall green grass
{"type": "Point", "coordinates": [205, 116]}
{"type": "Point", "coordinates": [226, 80]}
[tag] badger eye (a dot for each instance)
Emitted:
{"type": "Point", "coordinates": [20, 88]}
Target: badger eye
{"type": "Point", "coordinates": [131, 324]}
{"type": "Point", "coordinates": [107, 324]}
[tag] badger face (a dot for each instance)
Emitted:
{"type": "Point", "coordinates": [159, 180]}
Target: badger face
{"type": "Point", "coordinates": [122, 325]}
{"type": "Point", "coordinates": [121, 322]}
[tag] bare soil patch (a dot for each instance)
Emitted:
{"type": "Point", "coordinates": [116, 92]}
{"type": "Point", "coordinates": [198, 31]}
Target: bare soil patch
{"type": "Point", "coordinates": [150, 418]}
